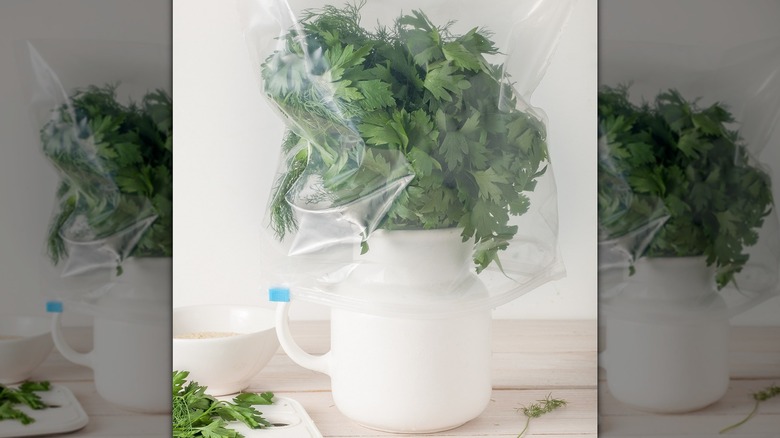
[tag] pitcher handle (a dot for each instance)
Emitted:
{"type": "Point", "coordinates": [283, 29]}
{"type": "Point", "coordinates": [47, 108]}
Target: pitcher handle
{"type": "Point", "coordinates": [55, 308]}
{"type": "Point", "coordinates": [294, 351]}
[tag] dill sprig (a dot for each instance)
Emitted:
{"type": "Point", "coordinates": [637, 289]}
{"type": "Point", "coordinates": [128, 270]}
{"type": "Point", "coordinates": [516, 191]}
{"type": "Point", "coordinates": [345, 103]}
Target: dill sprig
{"type": "Point", "coordinates": [536, 410]}
{"type": "Point", "coordinates": [759, 397]}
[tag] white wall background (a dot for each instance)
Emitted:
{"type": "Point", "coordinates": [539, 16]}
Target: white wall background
{"type": "Point", "coordinates": [708, 26]}
{"type": "Point", "coordinates": [27, 180]}
{"type": "Point", "coordinates": [222, 177]}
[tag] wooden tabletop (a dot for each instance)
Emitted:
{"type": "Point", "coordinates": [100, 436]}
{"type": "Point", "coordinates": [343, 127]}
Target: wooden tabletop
{"type": "Point", "coordinates": [531, 359]}
{"type": "Point", "coordinates": [755, 365]}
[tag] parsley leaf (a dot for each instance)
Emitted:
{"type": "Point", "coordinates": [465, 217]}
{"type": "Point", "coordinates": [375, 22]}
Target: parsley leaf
{"type": "Point", "coordinates": [25, 395]}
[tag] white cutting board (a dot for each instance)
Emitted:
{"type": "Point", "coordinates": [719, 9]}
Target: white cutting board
{"type": "Point", "coordinates": [289, 417]}
{"type": "Point", "coordinates": [67, 416]}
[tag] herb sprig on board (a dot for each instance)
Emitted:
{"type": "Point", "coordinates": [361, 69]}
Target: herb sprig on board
{"type": "Point", "coordinates": [672, 158]}
{"type": "Point", "coordinates": [199, 415]}
{"type": "Point", "coordinates": [116, 165]}
{"type": "Point", "coordinates": [24, 395]}
{"type": "Point", "coordinates": [413, 110]}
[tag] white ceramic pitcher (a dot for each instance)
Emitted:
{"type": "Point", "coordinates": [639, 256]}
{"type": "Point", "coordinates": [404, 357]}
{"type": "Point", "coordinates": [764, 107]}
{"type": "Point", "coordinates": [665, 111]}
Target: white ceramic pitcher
{"type": "Point", "coordinates": [406, 374]}
{"type": "Point", "coordinates": [667, 337]}
{"type": "Point", "coordinates": [132, 336]}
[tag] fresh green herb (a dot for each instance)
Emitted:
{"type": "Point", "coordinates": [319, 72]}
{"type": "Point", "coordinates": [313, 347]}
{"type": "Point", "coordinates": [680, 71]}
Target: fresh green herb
{"type": "Point", "coordinates": [675, 160]}
{"type": "Point", "coordinates": [759, 397]}
{"type": "Point", "coordinates": [116, 166]}
{"type": "Point", "coordinates": [26, 395]}
{"type": "Point", "coordinates": [197, 414]}
{"type": "Point", "coordinates": [536, 410]}
{"type": "Point", "coordinates": [412, 110]}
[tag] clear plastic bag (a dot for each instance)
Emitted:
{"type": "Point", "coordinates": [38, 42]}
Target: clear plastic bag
{"type": "Point", "coordinates": [406, 121]}
{"type": "Point", "coordinates": [678, 168]}
{"type": "Point", "coordinates": [105, 121]}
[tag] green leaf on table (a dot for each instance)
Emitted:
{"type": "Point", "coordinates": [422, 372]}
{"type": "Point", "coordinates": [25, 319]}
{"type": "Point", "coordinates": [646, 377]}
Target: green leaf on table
{"type": "Point", "coordinates": [25, 395]}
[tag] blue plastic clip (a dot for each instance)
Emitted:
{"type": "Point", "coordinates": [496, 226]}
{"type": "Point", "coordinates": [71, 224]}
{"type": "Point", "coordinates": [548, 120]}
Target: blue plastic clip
{"type": "Point", "coordinates": [279, 294]}
{"type": "Point", "coordinates": [54, 306]}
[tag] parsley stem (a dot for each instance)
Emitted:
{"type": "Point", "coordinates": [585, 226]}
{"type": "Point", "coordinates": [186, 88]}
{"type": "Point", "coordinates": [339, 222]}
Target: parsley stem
{"type": "Point", "coordinates": [527, 422]}
{"type": "Point", "coordinates": [750, 415]}
{"type": "Point", "coordinates": [760, 396]}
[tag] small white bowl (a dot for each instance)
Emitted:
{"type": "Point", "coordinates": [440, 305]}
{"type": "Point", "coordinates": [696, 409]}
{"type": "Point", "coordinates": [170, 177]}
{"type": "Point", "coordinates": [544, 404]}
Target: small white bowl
{"type": "Point", "coordinates": [25, 342]}
{"type": "Point", "coordinates": [224, 364]}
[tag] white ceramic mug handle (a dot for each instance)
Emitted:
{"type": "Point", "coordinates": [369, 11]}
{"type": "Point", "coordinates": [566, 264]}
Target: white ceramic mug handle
{"type": "Point", "coordinates": [63, 346]}
{"type": "Point", "coordinates": [293, 350]}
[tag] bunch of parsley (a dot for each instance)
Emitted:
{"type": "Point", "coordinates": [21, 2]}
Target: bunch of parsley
{"type": "Point", "coordinates": [368, 109]}
{"type": "Point", "coordinates": [197, 414]}
{"type": "Point", "coordinates": [116, 165]}
{"type": "Point", "coordinates": [674, 159]}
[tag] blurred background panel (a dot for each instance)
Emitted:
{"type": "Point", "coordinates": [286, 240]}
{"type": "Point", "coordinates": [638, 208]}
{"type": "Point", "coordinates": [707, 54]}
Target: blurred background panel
{"type": "Point", "coordinates": [670, 33]}
{"type": "Point", "coordinates": [28, 181]}
{"type": "Point", "coordinates": [716, 51]}
{"type": "Point", "coordinates": [84, 42]}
